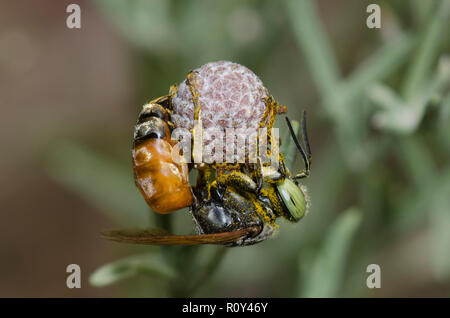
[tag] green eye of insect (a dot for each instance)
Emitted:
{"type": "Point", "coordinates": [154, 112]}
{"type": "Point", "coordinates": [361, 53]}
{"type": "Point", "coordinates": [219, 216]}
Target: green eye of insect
{"type": "Point", "coordinates": [293, 198]}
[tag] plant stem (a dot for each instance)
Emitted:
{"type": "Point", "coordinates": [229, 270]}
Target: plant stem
{"type": "Point", "coordinates": [209, 270]}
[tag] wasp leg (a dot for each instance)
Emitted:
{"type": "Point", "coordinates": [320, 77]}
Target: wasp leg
{"type": "Point", "coordinates": [303, 174]}
{"type": "Point", "coordinates": [259, 175]}
{"type": "Point", "coordinates": [237, 180]}
{"type": "Point", "coordinates": [265, 173]}
{"type": "Point", "coordinates": [272, 175]}
{"type": "Point", "coordinates": [283, 170]}
{"type": "Point", "coordinates": [244, 186]}
{"type": "Point", "coordinates": [171, 125]}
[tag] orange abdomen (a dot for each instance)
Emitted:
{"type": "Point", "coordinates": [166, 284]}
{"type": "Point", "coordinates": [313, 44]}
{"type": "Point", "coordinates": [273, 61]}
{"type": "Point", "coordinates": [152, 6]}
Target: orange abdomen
{"type": "Point", "coordinates": [163, 183]}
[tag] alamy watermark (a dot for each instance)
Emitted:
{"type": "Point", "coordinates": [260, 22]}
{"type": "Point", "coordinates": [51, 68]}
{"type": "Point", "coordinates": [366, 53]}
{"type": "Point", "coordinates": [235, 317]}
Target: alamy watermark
{"type": "Point", "coordinates": [374, 279]}
{"type": "Point", "coordinates": [374, 19]}
{"type": "Point", "coordinates": [73, 20]}
{"type": "Point", "coordinates": [74, 279]}
{"type": "Point", "coordinates": [226, 145]}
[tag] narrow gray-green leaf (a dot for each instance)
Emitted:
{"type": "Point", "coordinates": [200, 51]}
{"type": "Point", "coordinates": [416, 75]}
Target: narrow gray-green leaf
{"type": "Point", "coordinates": [324, 277]}
{"type": "Point", "coordinates": [440, 237]}
{"type": "Point", "coordinates": [378, 66]}
{"type": "Point", "coordinates": [428, 49]}
{"type": "Point", "coordinates": [384, 96]}
{"type": "Point", "coordinates": [312, 40]}
{"type": "Point", "coordinates": [414, 209]}
{"type": "Point", "coordinates": [145, 264]}
{"type": "Point", "coordinates": [146, 24]}
{"type": "Point", "coordinates": [421, 10]}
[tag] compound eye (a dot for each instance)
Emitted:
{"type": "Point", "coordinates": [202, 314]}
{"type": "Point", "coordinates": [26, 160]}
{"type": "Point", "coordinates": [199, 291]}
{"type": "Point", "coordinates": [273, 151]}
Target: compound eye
{"type": "Point", "coordinates": [293, 198]}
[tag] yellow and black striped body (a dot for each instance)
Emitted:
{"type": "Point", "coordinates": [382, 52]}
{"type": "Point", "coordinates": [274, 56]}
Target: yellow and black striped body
{"type": "Point", "coordinates": [162, 181]}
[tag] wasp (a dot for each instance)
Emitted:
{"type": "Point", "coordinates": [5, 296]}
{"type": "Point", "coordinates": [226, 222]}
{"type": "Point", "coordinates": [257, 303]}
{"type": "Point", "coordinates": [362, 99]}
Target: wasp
{"type": "Point", "coordinates": [231, 204]}
{"type": "Point", "coordinates": [236, 209]}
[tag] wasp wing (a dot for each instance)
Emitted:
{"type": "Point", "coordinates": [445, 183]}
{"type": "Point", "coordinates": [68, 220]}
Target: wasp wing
{"type": "Point", "coordinates": [161, 237]}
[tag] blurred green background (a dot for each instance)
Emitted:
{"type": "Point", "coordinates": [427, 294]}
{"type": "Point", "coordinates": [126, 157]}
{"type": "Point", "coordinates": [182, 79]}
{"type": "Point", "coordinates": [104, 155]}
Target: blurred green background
{"type": "Point", "coordinates": [378, 107]}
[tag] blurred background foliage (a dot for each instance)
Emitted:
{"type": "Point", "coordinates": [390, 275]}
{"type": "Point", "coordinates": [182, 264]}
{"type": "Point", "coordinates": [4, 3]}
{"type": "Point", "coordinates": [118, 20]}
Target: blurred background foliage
{"type": "Point", "coordinates": [378, 107]}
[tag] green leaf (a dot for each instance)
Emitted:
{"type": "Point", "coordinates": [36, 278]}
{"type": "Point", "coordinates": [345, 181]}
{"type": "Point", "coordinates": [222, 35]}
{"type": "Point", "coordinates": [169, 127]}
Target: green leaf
{"type": "Point", "coordinates": [440, 237]}
{"type": "Point", "coordinates": [404, 117]}
{"type": "Point", "coordinates": [384, 97]}
{"type": "Point", "coordinates": [140, 264]}
{"type": "Point", "coordinates": [146, 24]}
{"type": "Point", "coordinates": [417, 161]}
{"type": "Point", "coordinates": [428, 50]}
{"type": "Point", "coordinates": [322, 277]}
{"type": "Point", "coordinates": [100, 181]}
{"type": "Point", "coordinates": [376, 67]}
{"type": "Point", "coordinates": [420, 201]}
{"type": "Point", "coordinates": [444, 125]}
{"type": "Point", "coordinates": [312, 40]}
{"type": "Point", "coordinates": [421, 10]}
{"type": "Point", "coordinates": [381, 64]}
